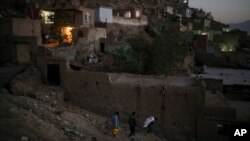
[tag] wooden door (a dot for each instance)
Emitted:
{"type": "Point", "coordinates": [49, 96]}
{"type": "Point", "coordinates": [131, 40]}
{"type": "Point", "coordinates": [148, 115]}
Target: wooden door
{"type": "Point", "coordinates": [23, 53]}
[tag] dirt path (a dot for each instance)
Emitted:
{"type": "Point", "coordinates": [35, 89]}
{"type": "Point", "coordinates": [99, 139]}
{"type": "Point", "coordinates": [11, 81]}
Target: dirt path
{"type": "Point", "coordinates": [34, 111]}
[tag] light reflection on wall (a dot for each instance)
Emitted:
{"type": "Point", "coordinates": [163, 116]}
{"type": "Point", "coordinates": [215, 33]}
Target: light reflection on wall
{"type": "Point", "coordinates": [66, 34]}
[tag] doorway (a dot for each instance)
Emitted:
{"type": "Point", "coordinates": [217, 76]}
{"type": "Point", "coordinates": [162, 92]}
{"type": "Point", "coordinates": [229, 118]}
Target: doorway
{"type": "Point", "coordinates": [23, 53]}
{"type": "Point", "coordinates": [102, 47]}
{"type": "Point", "coordinates": [53, 74]}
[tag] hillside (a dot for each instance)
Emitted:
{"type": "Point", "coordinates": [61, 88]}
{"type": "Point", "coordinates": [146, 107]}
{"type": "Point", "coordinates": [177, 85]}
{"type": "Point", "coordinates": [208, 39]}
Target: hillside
{"type": "Point", "coordinates": [242, 26]}
{"type": "Point", "coordinates": [33, 111]}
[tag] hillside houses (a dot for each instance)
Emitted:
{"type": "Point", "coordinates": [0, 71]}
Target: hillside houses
{"type": "Point", "coordinates": [103, 25]}
{"type": "Point", "coordinates": [73, 43]}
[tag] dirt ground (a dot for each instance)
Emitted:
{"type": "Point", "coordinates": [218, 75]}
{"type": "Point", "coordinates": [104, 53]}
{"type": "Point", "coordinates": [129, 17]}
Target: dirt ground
{"type": "Point", "coordinates": [33, 111]}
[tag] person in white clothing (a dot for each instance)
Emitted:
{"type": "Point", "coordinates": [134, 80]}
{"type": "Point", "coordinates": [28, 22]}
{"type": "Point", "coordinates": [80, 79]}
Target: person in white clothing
{"type": "Point", "coordinates": [149, 123]}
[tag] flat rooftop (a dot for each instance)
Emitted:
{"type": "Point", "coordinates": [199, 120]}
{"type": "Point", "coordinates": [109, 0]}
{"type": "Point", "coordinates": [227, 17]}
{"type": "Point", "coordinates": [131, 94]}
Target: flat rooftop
{"type": "Point", "coordinates": [131, 79]}
{"type": "Point", "coordinates": [229, 76]}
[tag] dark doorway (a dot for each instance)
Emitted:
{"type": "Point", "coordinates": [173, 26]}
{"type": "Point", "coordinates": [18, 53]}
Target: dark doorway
{"type": "Point", "coordinates": [102, 47]}
{"type": "Point", "coordinates": [53, 74]}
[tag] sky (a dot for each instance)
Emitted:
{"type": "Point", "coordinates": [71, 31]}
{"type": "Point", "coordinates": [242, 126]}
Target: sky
{"type": "Point", "coordinates": [226, 11]}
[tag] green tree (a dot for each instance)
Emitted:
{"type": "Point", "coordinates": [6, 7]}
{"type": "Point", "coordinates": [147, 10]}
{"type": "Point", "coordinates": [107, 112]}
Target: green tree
{"type": "Point", "coordinates": [166, 51]}
{"type": "Point", "coordinates": [132, 56]}
{"type": "Point", "coordinates": [157, 57]}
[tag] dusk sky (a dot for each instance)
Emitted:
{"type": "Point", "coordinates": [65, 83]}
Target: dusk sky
{"type": "Point", "coordinates": [227, 11]}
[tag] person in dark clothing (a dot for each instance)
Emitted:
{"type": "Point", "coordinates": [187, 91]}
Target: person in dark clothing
{"type": "Point", "coordinates": [132, 124]}
{"type": "Point", "coordinates": [149, 127]}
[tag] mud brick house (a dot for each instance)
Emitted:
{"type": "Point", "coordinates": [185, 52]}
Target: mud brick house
{"type": "Point", "coordinates": [19, 39]}
{"type": "Point", "coordinates": [73, 14]}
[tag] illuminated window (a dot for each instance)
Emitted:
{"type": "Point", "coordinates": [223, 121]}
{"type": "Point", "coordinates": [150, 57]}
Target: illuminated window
{"type": "Point", "coordinates": [127, 14]}
{"type": "Point", "coordinates": [137, 14]}
{"type": "Point", "coordinates": [47, 16]}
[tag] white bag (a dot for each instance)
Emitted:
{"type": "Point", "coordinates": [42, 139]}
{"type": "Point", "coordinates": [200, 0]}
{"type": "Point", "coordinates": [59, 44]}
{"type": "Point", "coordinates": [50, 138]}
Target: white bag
{"type": "Point", "coordinates": [147, 121]}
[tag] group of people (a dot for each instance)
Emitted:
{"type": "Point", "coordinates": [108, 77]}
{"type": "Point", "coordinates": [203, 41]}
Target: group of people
{"type": "Point", "coordinates": [92, 59]}
{"type": "Point", "coordinates": [148, 124]}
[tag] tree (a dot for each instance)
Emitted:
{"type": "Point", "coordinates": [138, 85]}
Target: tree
{"type": "Point", "coordinates": [132, 56]}
{"type": "Point", "coordinates": [157, 57]}
{"type": "Point", "coordinates": [166, 51]}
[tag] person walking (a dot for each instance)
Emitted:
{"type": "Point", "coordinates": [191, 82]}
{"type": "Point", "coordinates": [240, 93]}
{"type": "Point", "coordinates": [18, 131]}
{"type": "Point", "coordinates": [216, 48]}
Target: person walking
{"type": "Point", "coordinates": [149, 123]}
{"type": "Point", "coordinates": [132, 124]}
{"type": "Point", "coordinates": [116, 124]}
